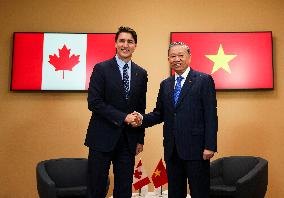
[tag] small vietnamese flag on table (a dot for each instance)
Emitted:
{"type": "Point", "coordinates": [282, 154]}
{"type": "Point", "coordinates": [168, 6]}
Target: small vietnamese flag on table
{"type": "Point", "coordinates": [236, 60]}
{"type": "Point", "coordinates": [140, 177]}
{"type": "Point", "coordinates": [159, 176]}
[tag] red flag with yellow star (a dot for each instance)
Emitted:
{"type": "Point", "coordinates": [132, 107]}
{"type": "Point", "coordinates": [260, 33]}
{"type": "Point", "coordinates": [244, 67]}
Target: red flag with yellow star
{"type": "Point", "coordinates": [236, 60]}
{"type": "Point", "coordinates": [159, 176]}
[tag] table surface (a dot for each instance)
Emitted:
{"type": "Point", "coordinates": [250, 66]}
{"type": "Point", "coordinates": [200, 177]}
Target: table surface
{"type": "Point", "coordinates": [152, 195]}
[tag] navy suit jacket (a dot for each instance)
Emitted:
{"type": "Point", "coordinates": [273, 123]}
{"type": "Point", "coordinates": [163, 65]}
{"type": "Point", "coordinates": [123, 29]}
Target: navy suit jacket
{"type": "Point", "coordinates": [192, 124]}
{"type": "Point", "coordinates": [106, 100]}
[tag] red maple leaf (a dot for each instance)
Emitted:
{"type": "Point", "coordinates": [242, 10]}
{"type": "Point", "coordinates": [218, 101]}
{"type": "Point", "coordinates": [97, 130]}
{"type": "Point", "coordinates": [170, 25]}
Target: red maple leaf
{"type": "Point", "coordinates": [137, 174]}
{"type": "Point", "coordinates": [64, 61]}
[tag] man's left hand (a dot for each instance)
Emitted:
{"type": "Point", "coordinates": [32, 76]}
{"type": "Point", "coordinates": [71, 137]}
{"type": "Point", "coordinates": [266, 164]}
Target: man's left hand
{"type": "Point", "coordinates": [207, 154]}
{"type": "Point", "coordinates": [139, 148]}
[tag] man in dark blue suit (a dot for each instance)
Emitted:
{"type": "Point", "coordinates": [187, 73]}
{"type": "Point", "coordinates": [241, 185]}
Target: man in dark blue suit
{"type": "Point", "coordinates": [117, 87]}
{"type": "Point", "coordinates": [187, 105]}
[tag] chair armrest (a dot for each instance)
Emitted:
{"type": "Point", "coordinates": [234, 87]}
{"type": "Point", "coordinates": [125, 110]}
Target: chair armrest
{"type": "Point", "coordinates": [255, 180]}
{"type": "Point", "coordinates": [45, 186]}
{"type": "Point", "coordinates": [216, 168]}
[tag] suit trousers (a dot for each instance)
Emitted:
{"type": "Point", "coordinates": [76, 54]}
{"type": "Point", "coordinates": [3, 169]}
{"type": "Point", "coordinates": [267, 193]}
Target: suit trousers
{"type": "Point", "coordinates": [123, 166]}
{"type": "Point", "coordinates": [197, 172]}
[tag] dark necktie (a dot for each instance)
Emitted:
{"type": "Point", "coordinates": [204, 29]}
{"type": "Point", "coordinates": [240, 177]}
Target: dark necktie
{"type": "Point", "coordinates": [177, 89]}
{"type": "Point", "coordinates": [125, 81]}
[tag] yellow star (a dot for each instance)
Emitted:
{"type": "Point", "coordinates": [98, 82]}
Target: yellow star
{"type": "Point", "coordinates": [157, 173]}
{"type": "Point", "coordinates": [221, 60]}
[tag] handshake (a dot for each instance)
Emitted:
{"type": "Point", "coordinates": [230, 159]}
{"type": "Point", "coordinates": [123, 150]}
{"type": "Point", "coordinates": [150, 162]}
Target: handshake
{"type": "Point", "coordinates": [134, 119]}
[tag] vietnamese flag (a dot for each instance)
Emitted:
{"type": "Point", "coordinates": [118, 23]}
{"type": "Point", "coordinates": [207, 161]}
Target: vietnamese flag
{"type": "Point", "coordinates": [159, 176]}
{"type": "Point", "coordinates": [58, 61]}
{"type": "Point", "coordinates": [236, 60]}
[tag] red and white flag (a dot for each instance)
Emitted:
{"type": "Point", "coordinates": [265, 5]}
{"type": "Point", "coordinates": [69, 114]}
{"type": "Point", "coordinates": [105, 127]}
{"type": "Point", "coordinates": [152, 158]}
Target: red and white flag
{"type": "Point", "coordinates": [140, 177]}
{"type": "Point", "coordinates": [58, 61]}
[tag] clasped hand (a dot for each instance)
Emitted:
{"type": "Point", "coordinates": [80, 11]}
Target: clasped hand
{"type": "Point", "coordinates": [134, 119]}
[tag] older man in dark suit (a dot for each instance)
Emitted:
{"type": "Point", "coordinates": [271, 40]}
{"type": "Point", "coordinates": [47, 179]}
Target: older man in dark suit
{"type": "Point", "coordinates": [187, 105]}
{"type": "Point", "coordinates": [117, 87]}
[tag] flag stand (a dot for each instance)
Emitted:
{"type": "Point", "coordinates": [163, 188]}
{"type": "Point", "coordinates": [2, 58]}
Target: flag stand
{"type": "Point", "coordinates": [139, 192]}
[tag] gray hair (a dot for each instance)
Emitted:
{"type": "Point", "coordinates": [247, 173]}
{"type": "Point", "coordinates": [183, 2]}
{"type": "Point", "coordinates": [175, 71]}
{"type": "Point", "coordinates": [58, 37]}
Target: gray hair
{"type": "Point", "coordinates": [181, 44]}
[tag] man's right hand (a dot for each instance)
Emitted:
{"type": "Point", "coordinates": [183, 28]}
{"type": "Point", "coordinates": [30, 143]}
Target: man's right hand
{"type": "Point", "coordinates": [135, 119]}
{"type": "Point", "coordinates": [130, 118]}
{"type": "Point", "coordinates": [138, 119]}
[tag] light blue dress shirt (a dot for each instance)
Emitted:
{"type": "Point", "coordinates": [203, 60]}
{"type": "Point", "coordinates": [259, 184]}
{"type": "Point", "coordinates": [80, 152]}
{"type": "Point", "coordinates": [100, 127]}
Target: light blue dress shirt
{"type": "Point", "coordinates": [121, 63]}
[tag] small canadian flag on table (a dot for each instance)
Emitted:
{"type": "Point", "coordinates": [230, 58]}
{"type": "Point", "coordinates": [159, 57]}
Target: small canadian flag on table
{"type": "Point", "coordinates": [140, 177]}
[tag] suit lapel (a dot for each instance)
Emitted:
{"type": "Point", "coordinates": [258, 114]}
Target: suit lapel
{"type": "Point", "coordinates": [189, 81]}
{"type": "Point", "coordinates": [170, 91]}
{"type": "Point", "coordinates": [116, 77]}
{"type": "Point", "coordinates": [134, 79]}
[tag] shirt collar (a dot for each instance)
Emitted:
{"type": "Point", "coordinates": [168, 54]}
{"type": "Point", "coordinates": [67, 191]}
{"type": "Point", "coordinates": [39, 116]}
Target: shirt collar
{"type": "Point", "coordinates": [184, 74]}
{"type": "Point", "coordinates": [121, 63]}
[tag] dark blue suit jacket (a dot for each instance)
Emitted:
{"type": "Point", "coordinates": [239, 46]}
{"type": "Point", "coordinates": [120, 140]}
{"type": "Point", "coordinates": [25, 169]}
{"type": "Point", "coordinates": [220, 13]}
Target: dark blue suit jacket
{"type": "Point", "coordinates": [192, 125]}
{"type": "Point", "coordinates": [109, 107]}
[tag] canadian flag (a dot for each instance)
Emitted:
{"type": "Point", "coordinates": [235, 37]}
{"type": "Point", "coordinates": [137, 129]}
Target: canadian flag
{"type": "Point", "coordinates": [58, 61]}
{"type": "Point", "coordinates": [140, 177]}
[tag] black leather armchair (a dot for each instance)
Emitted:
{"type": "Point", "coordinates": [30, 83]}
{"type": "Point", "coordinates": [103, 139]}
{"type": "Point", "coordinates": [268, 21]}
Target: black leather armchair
{"type": "Point", "coordinates": [65, 177]}
{"type": "Point", "coordinates": [238, 177]}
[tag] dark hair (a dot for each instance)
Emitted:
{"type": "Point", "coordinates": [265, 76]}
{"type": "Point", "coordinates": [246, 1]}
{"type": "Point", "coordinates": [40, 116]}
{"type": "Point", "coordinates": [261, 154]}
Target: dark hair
{"type": "Point", "coordinates": [127, 30]}
{"type": "Point", "coordinates": [179, 43]}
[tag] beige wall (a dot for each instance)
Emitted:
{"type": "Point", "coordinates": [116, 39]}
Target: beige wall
{"type": "Point", "coordinates": [38, 126]}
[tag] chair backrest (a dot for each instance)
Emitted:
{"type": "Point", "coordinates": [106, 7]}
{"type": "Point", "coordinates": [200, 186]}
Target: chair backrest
{"type": "Point", "coordinates": [67, 172]}
{"type": "Point", "coordinates": [236, 167]}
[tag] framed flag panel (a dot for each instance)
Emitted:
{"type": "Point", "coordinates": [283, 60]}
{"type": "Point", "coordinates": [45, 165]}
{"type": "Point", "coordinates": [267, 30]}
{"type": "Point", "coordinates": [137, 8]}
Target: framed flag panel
{"type": "Point", "coordinates": [58, 61]}
{"type": "Point", "coordinates": [236, 60]}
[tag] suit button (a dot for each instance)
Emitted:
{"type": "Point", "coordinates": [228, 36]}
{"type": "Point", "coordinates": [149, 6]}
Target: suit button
{"type": "Point", "coordinates": [175, 114]}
